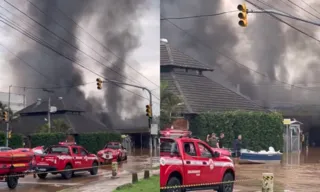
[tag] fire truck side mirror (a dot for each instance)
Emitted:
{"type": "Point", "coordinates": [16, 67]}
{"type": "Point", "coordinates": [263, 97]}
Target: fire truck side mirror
{"type": "Point", "coordinates": [216, 154]}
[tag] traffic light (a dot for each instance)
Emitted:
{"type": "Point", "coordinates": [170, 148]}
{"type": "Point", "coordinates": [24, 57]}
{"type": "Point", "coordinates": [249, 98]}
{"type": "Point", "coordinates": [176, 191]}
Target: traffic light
{"type": "Point", "coordinates": [99, 83]}
{"type": "Point", "coordinates": [9, 134]}
{"type": "Point", "coordinates": [148, 111]}
{"type": "Point", "coordinates": [5, 116]}
{"type": "Point", "coordinates": [243, 15]}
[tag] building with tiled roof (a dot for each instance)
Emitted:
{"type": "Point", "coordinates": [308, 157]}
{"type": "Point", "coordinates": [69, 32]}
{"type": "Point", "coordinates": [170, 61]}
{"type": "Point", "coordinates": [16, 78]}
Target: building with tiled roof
{"type": "Point", "coordinates": [185, 77]}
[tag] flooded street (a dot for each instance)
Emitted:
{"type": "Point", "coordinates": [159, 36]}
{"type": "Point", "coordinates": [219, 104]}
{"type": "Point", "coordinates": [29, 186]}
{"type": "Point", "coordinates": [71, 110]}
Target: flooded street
{"type": "Point", "coordinates": [55, 183]}
{"type": "Point", "coordinates": [295, 173]}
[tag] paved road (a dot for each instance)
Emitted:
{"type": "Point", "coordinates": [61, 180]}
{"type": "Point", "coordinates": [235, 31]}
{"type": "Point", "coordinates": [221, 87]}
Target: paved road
{"type": "Point", "coordinates": [55, 183]}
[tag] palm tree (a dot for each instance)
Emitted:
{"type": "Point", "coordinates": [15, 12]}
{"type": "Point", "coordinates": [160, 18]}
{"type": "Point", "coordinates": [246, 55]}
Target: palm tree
{"type": "Point", "coordinates": [169, 103]}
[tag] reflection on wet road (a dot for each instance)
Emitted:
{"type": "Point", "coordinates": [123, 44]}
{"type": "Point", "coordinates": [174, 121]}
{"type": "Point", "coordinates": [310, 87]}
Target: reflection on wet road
{"type": "Point", "coordinates": [295, 173]}
{"type": "Point", "coordinates": [55, 183]}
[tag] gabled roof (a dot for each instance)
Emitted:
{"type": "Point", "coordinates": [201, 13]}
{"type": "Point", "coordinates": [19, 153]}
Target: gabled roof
{"type": "Point", "coordinates": [78, 123]}
{"type": "Point", "coordinates": [201, 94]}
{"type": "Point", "coordinates": [42, 106]}
{"type": "Point", "coordinates": [172, 57]}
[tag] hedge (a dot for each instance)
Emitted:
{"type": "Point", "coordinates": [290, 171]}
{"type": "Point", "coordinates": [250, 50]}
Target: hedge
{"type": "Point", "coordinates": [16, 140]}
{"type": "Point", "coordinates": [47, 139]}
{"type": "Point", "coordinates": [93, 142]}
{"type": "Point", "coordinates": [259, 130]}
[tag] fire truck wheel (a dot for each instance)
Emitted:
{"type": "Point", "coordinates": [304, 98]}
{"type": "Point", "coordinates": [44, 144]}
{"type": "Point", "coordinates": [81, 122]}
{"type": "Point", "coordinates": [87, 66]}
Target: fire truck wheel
{"type": "Point", "coordinates": [94, 169]}
{"type": "Point", "coordinates": [42, 175]}
{"type": "Point", "coordinates": [228, 185]}
{"type": "Point", "coordinates": [12, 182]}
{"type": "Point", "coordinates": [67, 173]}
{"type": "Point", "coordinates": [173, 181]}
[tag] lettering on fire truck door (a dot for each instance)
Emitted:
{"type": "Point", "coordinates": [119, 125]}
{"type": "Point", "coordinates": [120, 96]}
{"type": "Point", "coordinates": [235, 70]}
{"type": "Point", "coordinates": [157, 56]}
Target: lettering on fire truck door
{"type": "Point", "coordinates": [192, 168]}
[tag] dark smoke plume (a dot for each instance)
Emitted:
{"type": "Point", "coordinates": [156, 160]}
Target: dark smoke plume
{"type": "Point", "coordinates": [269, 42]}
{"type": "Point", "coordinates": [116, 22]}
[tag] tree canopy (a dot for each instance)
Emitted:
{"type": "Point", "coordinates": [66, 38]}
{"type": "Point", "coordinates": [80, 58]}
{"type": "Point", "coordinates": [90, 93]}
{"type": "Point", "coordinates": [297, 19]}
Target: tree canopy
{"type": "Point", "coordinates": [57, 126]}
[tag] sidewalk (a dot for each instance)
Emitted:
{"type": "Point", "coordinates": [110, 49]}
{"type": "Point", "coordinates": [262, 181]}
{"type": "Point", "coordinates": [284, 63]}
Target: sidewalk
{"type": "Point", "coordinates": [108, 184]}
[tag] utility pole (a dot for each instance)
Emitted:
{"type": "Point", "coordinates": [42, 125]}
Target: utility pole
{"type": "Point", "coordinates": [49, 108]}
{"type": "Point", "coordinates": [8, 121]}
{"type": "Point", "coordinates": [49, 114]}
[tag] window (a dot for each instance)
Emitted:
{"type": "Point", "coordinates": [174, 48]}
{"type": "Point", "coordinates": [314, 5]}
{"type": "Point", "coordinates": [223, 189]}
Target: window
{"type": "Point", "coordinates": [58, 150]}
{"type": "Point", "coordinates": [205, 151]}
{"type": "Point", "coordinates": [83, 152]}
{"type": "Point", "coordinates": [113, 146]}
{"type": "Point", "coordinates": [189, 149]}
{"type": "Point", "coordinates": [168, 146]}
{"type": "Point", "coordinates": [75, 150]}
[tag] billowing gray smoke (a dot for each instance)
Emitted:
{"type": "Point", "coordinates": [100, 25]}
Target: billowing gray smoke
{"type": "Point", "coordinates": [116, 22]}
{"type": "Point", "coordinates": [268, 41]}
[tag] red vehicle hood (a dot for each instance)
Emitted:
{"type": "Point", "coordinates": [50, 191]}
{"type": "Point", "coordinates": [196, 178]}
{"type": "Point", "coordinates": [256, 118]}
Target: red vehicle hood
{"type": "Point", "coordinates": [223, 152]}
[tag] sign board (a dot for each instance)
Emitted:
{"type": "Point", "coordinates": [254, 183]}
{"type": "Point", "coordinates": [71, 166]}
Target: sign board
{"type": "Point", "coordinates": [154, 129]}
{"type": "Point", "coordinates": [286, 121]}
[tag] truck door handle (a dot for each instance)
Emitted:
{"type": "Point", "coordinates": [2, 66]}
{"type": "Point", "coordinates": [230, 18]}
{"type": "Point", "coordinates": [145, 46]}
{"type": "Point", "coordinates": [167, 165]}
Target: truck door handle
{"type": "Point", "coordinates": [204, 163]}
{"type": "Point", "coordinates": [188, 162]}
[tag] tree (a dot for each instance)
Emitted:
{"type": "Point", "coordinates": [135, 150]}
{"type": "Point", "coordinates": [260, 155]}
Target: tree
{"type": "Point", "coordinates": [169, 103]}
{"type": "Point", "coordinates": [57, 126]}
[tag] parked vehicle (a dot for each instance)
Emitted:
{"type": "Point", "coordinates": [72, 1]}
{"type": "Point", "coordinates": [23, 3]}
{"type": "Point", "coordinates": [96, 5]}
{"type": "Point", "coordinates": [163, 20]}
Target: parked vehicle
{"type": "Point", "coordinates": [65, 159]}
{"type": "Point", "coordinates": [13, 165]}
{"type": "Point", "coordinates": [112, 150]}
{"type": "Point", "coordinates": [189, 164]}
{"type": "Point", "coordinates": [5, 148]}
{"type": "Point", "coordinates": [175, 133]}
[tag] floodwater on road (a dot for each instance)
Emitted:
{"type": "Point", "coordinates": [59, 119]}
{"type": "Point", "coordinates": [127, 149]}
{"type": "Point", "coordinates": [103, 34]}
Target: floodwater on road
{"type": "Point", "coordinates": [297, 172]}
{"type": "Point", "coordinates": [55, 183]}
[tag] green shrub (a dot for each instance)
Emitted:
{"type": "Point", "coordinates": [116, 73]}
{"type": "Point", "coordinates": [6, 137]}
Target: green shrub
{"type": "Point", "coordinates": [16, 140]}
{"type": "Point", "coordinates": [94, 142]}
{"type": "Point", "coordinates": [259, 130]}
{"type": "Point", "coordinates": [47, 139]}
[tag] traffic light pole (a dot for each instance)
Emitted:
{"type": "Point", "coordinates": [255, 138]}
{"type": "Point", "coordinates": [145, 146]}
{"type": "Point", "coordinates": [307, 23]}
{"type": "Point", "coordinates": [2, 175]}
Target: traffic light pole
{"type": "Point", "coordinates": [284, 15]}
{"type": "Point", "coordinates": [8, 120]}
{"type": "Point", "coordinates": [150, 103]}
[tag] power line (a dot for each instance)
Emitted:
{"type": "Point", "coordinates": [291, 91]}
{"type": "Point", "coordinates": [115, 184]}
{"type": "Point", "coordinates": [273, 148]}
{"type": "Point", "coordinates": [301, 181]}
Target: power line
{"type": "Point", "coordinates": [286, 3]}
{"type": "Point", "coordinates": [57, 87]}
{"type": "Point", "coordinates": [45, 44]}
{"type": "Point", "coordinates": [108, 49]}
{"type": "Point", "coordinates": [281, 20]}
{"type": "Point", "coordinates": [233, 60]}
{"type": "Point", "coordinates": [199, 16]}
{"type": "Point", "coordinates": [56, 22]}
{"type": "Point", "coordinates": [71, 44]}
{"type": "Point", "coordinates": [65, 41]}
{"type": "Point", "coordinates": [310, 6]}
{"type": "Point", "coordinates": [303, 9]}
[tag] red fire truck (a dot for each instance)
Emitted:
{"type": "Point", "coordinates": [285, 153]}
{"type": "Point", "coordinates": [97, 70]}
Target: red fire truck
{"type": "Point", "coordinates": [176, 133]}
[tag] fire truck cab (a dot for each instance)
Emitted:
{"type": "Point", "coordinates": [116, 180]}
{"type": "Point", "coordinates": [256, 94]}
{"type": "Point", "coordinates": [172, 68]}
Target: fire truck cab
{"type": "Point", "coordinates": [188, 164]}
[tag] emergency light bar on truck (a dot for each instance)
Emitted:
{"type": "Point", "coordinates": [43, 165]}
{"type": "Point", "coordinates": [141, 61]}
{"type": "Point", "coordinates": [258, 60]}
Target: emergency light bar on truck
{"type": "Point", "coordinates": [67, 143]}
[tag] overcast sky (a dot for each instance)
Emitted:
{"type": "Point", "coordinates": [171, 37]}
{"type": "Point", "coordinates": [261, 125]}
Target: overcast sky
{"type": "Point", "coordinates": [144, 59]}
